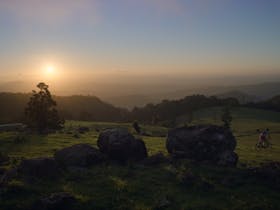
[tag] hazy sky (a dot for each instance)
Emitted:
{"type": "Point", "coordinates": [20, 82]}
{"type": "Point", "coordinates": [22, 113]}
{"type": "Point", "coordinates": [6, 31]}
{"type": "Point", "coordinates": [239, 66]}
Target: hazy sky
{"type": "Point", "coordinates": [103, 40]}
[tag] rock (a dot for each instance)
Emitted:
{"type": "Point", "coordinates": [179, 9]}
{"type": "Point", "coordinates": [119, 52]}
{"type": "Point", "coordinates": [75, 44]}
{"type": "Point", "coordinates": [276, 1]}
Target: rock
{"type": "Point", "coordinates": [138, 150]}
{"type": "Point", "coordinates": [56, 201]}
{"type": "Point", "coordinates": [80, 155]}
{"type": "Point", "coordinates": [120, 145]}
{"type": "Point", "coordinates": [202, 143]}
{"type": "Point", "coordinates": [228, 158]}
{"type": "Point", "coordinates": [155, 159]}
{"type": "Point", "coordinates": [39, 168]}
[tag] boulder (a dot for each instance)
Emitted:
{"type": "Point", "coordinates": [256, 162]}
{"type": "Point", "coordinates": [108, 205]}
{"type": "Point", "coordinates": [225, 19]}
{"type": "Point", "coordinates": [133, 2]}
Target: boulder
{"type": "Point", "coordinates": [39, 168]}
{"type": "Point", "coordinates": [120, 145]}
{"type": "Point", "coordinates": [56, 201]}
{"type": "Point", "coordinates": [80, 155]}
{"type": "Point", "coordinates": [203, 143]}
{"type": "Point", "coordinates": [228, 158]}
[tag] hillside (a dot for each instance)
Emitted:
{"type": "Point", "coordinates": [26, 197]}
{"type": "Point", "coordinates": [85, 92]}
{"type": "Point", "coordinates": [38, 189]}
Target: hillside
{"type": "Point", "coordinates": [242, 97]}
{"type": "Point", "coordinates": [71, 107]}
{"type": "Point", "coordinates": [144, 187]}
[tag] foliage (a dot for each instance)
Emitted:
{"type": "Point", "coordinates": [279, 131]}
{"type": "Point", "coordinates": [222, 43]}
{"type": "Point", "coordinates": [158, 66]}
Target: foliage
{"type": "Point", "coordinates": [77, 107]}
{"type": "Point", "coordinates": [41, 113]}
{"type": "Point", "coordinates": [270, 104]}
{"type": "Point", "coordinates": [169, 110]}
{"type": "Point", "coordinates": [91, 108]}
{"type": "Point", "coordinates": [136, 127]}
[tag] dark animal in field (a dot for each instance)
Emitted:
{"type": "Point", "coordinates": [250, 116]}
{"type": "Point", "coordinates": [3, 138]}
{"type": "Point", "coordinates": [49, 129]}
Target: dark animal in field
{"type": "Point", "coordinates": [210, 143]}
{"type": "Point", "coordinates": [120, 145]}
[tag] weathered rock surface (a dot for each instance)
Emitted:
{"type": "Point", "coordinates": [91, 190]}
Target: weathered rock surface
{"type": "Point", "coordinates": [80, 155]}
{"type": "Point", "coordinates": [228, 158]}
{"type": "Point", "coordinates": [120, 145]}
{"type": "Point", "coordinates": [39, 168]}
{"type": "Point", "coordinates": [203, 143]}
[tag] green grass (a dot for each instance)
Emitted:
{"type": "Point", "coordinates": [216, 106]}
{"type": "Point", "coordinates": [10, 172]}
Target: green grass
{"type": "Point", "coordinates": [142, 188]}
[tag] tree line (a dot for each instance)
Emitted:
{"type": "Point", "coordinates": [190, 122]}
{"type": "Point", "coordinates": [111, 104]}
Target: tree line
{"type": "Point", "coordinates": [91, 108]}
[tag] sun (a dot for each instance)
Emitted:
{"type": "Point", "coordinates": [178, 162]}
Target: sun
{"type": "Point", "coordinates": [50, 69]}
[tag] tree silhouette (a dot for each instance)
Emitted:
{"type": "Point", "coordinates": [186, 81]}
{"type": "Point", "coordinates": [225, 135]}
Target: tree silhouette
{"type": "Point", "coordinates": [136, 127]}
{"type": "Point", "coordinates": [226, 117]}
{"type": "Point", "coordinates": [41, 113]}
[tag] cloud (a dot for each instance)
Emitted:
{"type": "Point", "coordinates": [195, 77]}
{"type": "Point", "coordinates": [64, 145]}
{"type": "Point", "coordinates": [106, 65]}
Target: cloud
{"type": "Point", "coordinates": [49, 11]}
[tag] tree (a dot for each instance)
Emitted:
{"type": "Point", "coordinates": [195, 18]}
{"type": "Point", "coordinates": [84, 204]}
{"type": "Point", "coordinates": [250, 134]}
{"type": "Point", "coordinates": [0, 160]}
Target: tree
{"type": "Point", "coordinates": [41, 113]}
{"type": "Point", "coordinates": [136, 127]}
{"type": "Point", "coordinates": [226, 117]}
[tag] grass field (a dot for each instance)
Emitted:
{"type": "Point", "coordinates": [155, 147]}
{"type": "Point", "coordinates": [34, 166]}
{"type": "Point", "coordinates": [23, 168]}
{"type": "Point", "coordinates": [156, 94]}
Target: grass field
{"type": "Point", "coordinates": [140, 187]}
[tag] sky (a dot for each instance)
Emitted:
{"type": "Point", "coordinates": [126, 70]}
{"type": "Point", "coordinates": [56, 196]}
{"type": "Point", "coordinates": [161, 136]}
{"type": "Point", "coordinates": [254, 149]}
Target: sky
{"type": "Point", "coordinates": [70, 42]}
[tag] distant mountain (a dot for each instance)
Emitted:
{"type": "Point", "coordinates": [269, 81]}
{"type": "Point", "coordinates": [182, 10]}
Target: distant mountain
{"type": "Point", "coordinates": [70, 107]}
{"type": "Point", "coordinates": [244, 93]}
{"type": "Point", "coordinates": [130, 95]}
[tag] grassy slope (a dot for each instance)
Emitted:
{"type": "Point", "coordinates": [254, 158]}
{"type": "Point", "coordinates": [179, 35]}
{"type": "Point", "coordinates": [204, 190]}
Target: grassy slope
{"type": "Point", "coordinates": [138, 187]}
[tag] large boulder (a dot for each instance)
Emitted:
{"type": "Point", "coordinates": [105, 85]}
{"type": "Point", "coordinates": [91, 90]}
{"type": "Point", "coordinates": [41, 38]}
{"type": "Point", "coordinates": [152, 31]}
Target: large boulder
{"type": "Point", "coordinates": [228, 158]}
{"type": "Point", "coordinates": [80, 155]}
{"type": "Point", "coordinates": [39, 168]}
{"type": "Point", "coordinates": [203, 143]}
{"type": "Point", "coordinates": [120, 145]}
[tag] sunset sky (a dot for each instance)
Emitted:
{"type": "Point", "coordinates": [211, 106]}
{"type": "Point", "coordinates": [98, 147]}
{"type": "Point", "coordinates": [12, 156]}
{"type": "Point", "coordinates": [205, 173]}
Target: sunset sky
{"type": "Point", "coordinates": [67, 40]}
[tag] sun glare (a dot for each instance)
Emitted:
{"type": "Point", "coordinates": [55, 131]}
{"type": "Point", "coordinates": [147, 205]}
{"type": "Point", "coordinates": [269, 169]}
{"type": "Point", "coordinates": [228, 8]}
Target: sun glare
{"type": "Point", "coordinates": [50, 69]}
